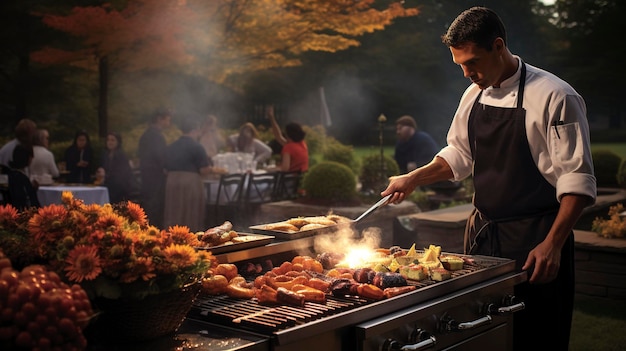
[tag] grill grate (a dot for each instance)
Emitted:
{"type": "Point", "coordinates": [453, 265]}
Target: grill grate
{"type": "Point", "coordinates": [249, 314]}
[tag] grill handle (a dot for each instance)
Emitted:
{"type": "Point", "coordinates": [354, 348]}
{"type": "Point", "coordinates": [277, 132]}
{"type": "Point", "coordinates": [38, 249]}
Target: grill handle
{"type": "Point", "coordinates": [510, 305]}
{"type": "Point", "coordinates": [394, 345]}
{"type": "Point", "coordinates": [449, 324]}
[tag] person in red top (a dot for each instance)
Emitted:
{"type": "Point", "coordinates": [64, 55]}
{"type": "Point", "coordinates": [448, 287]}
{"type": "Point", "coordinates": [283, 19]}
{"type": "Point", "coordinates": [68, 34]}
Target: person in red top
{"type": "Point", "coordinates": [294, 153]}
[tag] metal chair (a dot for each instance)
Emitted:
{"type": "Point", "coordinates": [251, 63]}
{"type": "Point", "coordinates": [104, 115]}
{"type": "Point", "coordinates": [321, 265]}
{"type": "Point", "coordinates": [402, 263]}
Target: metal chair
{"type": "Point", "coordinates": [259, 189]}
{"type": "Point", "coordinates": [287, 186]}
{"type": "Point", "coordinates": [229, 195]}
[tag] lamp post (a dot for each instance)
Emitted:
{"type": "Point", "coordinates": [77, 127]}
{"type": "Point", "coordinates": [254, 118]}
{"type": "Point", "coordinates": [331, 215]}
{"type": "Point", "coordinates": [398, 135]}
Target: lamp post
{"type": "Point", "coordinates": [381, 126]}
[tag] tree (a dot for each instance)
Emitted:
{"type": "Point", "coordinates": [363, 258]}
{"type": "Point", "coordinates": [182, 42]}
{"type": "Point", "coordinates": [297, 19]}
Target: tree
{"type": "Point", "coordinates": [213, 39]}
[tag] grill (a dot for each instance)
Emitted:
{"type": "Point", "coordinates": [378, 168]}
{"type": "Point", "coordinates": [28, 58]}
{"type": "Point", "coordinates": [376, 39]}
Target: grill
{"type": "Point", "coordinates": [476, 298]}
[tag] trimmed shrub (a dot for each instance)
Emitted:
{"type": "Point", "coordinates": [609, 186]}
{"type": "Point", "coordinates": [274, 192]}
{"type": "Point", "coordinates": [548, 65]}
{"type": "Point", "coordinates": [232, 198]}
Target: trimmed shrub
{"type": "Point", "coordinates": [344, 154]}
{"type": "Point", "coordinates": [370, 176]}
{"type": "Point", "coordinates": [329, 180]}
{"type": "Point", "coordinates": [621, 175]}
{"type": "Point", "coordinates": [606, 165]}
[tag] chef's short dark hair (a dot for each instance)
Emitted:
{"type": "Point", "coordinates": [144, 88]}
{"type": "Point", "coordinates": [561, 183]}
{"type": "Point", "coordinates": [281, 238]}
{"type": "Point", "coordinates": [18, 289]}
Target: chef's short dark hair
{"type": "Point", "coordinates": [478, 25]}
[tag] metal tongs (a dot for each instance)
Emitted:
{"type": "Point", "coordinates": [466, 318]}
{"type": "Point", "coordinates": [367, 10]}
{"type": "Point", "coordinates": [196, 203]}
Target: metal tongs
{"type": "Point", "coordinates": [367, 212]}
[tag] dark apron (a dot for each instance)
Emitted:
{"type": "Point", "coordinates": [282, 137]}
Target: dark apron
{"type": "Point", "coordinates": [515, 209]}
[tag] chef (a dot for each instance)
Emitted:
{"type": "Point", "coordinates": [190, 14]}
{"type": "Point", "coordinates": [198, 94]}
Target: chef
{"type": "Point", "coordinates": [522, 133]}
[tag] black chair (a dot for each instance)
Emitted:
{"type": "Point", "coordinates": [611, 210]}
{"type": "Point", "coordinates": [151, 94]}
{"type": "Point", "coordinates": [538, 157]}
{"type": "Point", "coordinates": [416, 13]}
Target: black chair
{"type": "Point", "coordinates": [5, 194]}
{"type": "Point", "coordinates": [259, 189]}
{"type": "Point", "coordinates": [229, 196]}
{"type": "Point", "coordinates": [287, 186]}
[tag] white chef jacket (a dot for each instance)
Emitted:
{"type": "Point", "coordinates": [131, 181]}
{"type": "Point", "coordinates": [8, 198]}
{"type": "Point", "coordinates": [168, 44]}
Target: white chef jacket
{"type": "Point", "coordinates": [556, 128]}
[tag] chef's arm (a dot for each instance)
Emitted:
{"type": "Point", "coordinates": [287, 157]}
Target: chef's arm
{"type": "Point", "coordinates": [544, 259]}
{"type": "Point", "coordinates": [403, 185]}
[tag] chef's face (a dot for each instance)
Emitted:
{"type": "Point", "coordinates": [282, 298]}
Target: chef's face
{"type": "Point", "coordinates": [482, 67]}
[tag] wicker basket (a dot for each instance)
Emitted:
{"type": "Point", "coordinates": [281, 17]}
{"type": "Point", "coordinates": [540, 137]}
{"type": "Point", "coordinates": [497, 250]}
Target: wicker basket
{"type": "Point", "coordinates": [148, 318]}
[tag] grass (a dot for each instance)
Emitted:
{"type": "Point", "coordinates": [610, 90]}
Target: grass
{"type": "Point", "coordinates": [598, 324]}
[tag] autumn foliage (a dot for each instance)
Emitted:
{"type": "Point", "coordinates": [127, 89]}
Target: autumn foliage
{"type": "Point", "coordinates": [214, 38]}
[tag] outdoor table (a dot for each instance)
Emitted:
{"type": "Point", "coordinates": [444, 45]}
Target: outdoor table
{"type": "Point", "coordinates": [90, 194]}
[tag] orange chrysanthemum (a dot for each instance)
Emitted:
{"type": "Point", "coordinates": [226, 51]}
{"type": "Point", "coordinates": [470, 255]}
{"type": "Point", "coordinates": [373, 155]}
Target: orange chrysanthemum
{"type": "Point", "coordinates": [180, 255]}
{"type": "Point", "coordinates": [141, 268]}
{"type": "Point", "coordinates": [182, 236]}
{"type": "Point", "coordinates": [109, 220]}
{"type": "Point", "coordinates": [8, 214]}
{"type": "Point", "coordinates": [83, 263]}
{"type": "Point", "coordinates": [137, 214]}
{"type": "Point", "coordinates": [47, 224]}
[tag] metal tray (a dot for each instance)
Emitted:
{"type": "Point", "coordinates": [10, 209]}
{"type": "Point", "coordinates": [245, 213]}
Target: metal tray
{"type": "Point", "coordinates": [252, 240]}
{"type": "Point", "coordinates": [282, 235]}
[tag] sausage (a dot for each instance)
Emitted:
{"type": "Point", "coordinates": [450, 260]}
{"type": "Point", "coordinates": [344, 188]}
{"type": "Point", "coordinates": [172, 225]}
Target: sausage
{"type": "Point", "coordinates": [260, 281]}
{"type": "Point", "coordinates": [238, 292]}
{"type": "Point", "coordinates": [310, 294]}
{"type": "Point", "coordinates": [370, 291]}
{"type": "Point", "coordinates": [266, 295]}
{"type": "Point", "coordinates": [289, 297]}
{"type": "Point", "coordinates": [318, 284]}
{"type": "Point", "coordinates": [398, 290]}
{"type": "Point", "coordinates": [272, 281]}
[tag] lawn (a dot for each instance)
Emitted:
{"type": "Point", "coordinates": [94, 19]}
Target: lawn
{"type": "Point", "coordinates": [598, 324]}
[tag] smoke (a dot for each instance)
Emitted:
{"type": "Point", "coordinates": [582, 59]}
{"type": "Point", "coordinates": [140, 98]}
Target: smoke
{"type": "Point", "coordinates": [347, 239]}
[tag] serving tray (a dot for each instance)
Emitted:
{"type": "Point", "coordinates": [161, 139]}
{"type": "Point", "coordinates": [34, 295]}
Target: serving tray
{"type": "Point", "coordinates": [250, 241]}
{"type": "Point", "coordinates": [284, 235]}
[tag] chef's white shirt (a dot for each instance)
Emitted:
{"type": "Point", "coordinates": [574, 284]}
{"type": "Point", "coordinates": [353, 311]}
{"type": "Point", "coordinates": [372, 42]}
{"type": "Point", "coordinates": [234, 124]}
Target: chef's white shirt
{"type": "Point", "coordinates": [556, 128]}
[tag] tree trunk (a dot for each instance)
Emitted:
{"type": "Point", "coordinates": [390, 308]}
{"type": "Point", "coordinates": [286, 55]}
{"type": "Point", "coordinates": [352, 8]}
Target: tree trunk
{"type": "Point", "coordinates": [103, 96]}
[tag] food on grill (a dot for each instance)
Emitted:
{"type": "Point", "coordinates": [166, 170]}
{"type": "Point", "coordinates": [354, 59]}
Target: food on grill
{"type": "Point", "coordinates": [282, 227]}
{"type": "Point", "coordinates": [364, 275]}
{"type": "Point", "coordinates": [289, 297]}
{"type": "Point", "coordinates": [284, 281]}
{"type": "Point", "coordinates": [318, 284]}
{"type": "Point", "coordinates": [398, 290]}
{"type": "Point", "coordinates": [338, 219]}
{"type": "Point", "coordinates": [239, 288]}
{"type": "Point", "coordinates": [266, 295]}
{"type": "Point", "coordinates": [228, 270]}
{"type": "Point", "coordinates": [414, 272]}
{"type": "Point", "coordinates": [329, 259]}
{"type": "Point", "coordinates": [342, 286]}
{"type": "Point", "coordinates": [214, 285]}
{"type": "Point", "coordinates": [370, 291]}
{"type": "Point", "coordinates": [310, 294]}
{"type": "Point", "coordinates": [451, 263]}
{"type": "Point", "coordinates": [440, 274]}
{"type": "Point", "coordinates": [388, 280]}
{"type": "Point", "coordinates": [297, 221]}
{"type": "Point", "coordinates": [312, 226]}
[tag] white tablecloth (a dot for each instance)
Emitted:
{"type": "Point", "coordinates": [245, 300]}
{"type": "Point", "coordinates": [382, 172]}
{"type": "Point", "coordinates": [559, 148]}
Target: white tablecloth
{"type": "Point", "coordinates": [89, 194]}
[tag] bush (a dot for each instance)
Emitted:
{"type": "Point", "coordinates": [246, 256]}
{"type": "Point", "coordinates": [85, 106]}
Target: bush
{"type": "Point", "coordinates": [329, 180]}
{"type": "Point", "coordinates": [370, 177]}
{"type": "Point", "coordinates": [621, 175]}
{"type": "Point", "coordinates": [344, 154]}
{"type": "Point", "coordinates": [606, 165]}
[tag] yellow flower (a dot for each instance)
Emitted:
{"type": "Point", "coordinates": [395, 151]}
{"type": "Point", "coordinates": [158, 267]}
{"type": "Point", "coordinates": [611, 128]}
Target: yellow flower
{"type": "Point", "coordinates": [83, 263]}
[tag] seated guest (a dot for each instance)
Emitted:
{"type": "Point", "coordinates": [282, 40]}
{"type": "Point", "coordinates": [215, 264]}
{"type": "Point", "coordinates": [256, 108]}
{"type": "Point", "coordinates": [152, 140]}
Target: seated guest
{"type": "Point", "coordinates": [294, 153]}
{"type": "Point", "coordinates": [78, 159]}
{"type": "Point", "coordinates": [210, 136]}
{"type": "Point", "coordinates": [43, 168]}
{"type": "Point", "coordinates": [248, 141]}
{"type": "Point", "coordinates": [118, 176]}
{"type": "Point", "coordinates": [22, 192]}
{"type": "Point", "coordinates": [24, 132]}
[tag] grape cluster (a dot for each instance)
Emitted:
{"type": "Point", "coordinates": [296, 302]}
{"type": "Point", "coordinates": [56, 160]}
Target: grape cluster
{"type": "Point", "coordinates": [40, 312]}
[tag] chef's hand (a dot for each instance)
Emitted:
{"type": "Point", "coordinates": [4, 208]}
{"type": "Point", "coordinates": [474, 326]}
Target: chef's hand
{"type": "Point", "coordinates": [545, 261]}
{"type": "Point", "coordinates": [400, 186]}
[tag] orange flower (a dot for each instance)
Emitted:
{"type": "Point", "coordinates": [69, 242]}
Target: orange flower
{"type": "Point", "coordinates": [137, 214]}
{"type": "Point", "coordinates": [180, 256]}
{"type": "Point", "coordinates": [108, 220]}
{"type": "Point", "coordinates": [83, 263]}
{"type": "Point", "coordinates": [8, 214]}
{"type": "Point", "coordinates": [181, 235]}
{"type": "Point", "coordinates": [47, 224]}
{"type": "Point", "coordinates": [142, 268]}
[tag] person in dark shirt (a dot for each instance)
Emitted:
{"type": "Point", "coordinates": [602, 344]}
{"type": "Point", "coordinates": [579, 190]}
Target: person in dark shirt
{"type": "Point", "coordinates": [79, 158]}
{"type": "Point", "coordinates": [22, 193]}
{"type": "Point", "coordinates": [118, 174]}
{"type": "Point", "coordinates": [414, 147]}
{"type": "Point", "coordinates": [186, 162]}
{"type": "Point", "coordinates": [152, 146]}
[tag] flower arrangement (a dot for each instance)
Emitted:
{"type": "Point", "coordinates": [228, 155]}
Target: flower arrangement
{"type": "Point", "coordinates": [110, 250]}
{"type": "Point", "coordinates": [614, 226]}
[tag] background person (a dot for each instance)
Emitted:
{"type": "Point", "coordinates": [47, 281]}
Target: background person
{"type": "Point", "coordinates": [43, 167]}
{"type": "Point", "coordinates": [414, 148]}
{"type": "Point", "coordinates": [523, 134]}
{"type": "Point", "coordinates": [211, 137]}
{"type": "Point", "coordinates": [22, 192]}
{"type": "Point", "coordinates": [24, 133]}
{"type": "Point", "coordinates": [248, 141]}
{"type": "Point", "coordinates": [151, 151]}
{"type": "Point", "coordinates": [186, 162]}
{"type": "Point", "coordinates": [294, 154]}
{"type": "Point", "coordinates": [79, 159]}
{"type": "Point", "coordinates": [118, 176]}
